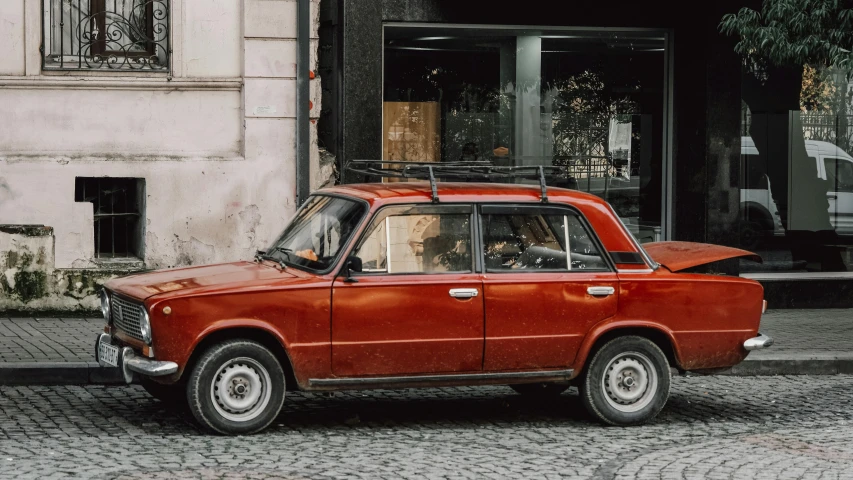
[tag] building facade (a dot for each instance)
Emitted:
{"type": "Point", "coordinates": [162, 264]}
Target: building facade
{"type": "Point", "coordinates": [140, 134]}
{"type": "Point", "coordinates": [645, 104]}
{"type": "Point", "coordinates": [143, 134]}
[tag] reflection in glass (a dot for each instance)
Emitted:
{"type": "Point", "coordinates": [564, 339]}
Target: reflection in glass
{"type": "Point", "coordinates": [318, 232]}
{"type": "Point", "coordinates": [591, 102]}
{"type": "Point", "coordinates": [420, 243]}
{"type": "Point", "coordinates": [796, 198]}
{"type": "Point", "coordinates": [538, 242]}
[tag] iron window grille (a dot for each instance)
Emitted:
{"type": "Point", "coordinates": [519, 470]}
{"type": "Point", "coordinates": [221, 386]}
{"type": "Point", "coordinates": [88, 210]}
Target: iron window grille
{"type": "Point", "coordinates": [118, 35]}
{"type": "Point", "coordinates": [118, 205]}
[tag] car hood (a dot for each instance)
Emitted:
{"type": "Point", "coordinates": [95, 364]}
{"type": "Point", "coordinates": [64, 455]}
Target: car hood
{"type": "Point", "coordinates": [678, 256]}
{"type": "Point", "coordinates": [203, 278]}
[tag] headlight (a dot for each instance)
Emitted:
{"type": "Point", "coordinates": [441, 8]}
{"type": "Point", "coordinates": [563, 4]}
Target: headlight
{"type": "Point", "coordinates": [145, 326]}
{"type": "Point", "coordinates": [105, 305]}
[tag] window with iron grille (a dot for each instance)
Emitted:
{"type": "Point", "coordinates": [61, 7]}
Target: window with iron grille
{"type": "Point", "coordinates": [118, 205]}
{"type": "Point", "coordinates": [106, 35]}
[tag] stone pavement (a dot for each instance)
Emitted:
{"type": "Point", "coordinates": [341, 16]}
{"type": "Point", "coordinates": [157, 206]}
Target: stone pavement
{"type": "Point", "coordinates": [48, 339]}
{"type": "Point", "coordinates": [61, 350]}
{"type": "Point", "coordinates": [779, 427]}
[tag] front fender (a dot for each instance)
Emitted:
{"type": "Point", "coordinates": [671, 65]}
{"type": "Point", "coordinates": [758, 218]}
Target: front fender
{"type": "Point", "coordinates": [181, 348]}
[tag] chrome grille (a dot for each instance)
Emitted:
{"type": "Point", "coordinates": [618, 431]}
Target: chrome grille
{"type": "Point", "coordinates": [127, 316]}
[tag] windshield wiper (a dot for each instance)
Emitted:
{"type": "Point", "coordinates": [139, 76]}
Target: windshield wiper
{"type": "Point", "coordinates": [262, 255]}
{"type": "Point", "coordinates": [286, 251]}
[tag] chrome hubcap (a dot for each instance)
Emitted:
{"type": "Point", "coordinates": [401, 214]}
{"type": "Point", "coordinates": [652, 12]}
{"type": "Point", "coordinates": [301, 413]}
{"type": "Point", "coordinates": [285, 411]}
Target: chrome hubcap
{"type": "Point", "coordinates": [630, 382]}
{"type": "Point", "coordinates": [240, 391]}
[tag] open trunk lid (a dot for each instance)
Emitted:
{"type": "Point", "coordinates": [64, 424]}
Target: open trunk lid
{"type": "Point", "coordinates": [678, 256]}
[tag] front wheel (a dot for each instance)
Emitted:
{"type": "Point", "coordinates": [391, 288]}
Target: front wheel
{"type": "Point", "coordinates": [626, 382]}
{"type": "Point", "coordinates": [237, 387]}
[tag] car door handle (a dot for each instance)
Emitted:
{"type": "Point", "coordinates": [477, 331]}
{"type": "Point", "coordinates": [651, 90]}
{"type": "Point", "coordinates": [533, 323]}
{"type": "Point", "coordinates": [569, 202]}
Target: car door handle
{"type": "Point", "coordinates": [464, 292]}
{"type": "Point", "coordinates": [600, 291]}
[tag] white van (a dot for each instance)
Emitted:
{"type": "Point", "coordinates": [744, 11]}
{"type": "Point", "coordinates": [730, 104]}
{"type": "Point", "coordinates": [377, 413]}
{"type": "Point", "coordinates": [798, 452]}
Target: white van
{"type": "Point", "coordinates": [758, 210]}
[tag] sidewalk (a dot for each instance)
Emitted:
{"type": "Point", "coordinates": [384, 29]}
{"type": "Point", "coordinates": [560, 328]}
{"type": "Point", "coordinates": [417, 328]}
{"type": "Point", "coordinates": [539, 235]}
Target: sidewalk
{"type": "Point", "coordinates": [807, 342]}
{"type": "Point", "coordinates": [43, 351]}
{"type": "Point", "coordinates": [61, 350]}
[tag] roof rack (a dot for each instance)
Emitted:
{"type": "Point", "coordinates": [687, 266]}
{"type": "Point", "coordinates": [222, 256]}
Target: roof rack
{"type": "Point", "coordinates": [477, 171]}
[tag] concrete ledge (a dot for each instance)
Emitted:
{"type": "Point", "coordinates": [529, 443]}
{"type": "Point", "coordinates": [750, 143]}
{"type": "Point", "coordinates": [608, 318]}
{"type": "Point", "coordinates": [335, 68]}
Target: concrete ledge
{"type": "Point", "coordinates": [27, 230]}
{"type": "Point", "coordinates": [99, 375]}
{"type": "Point", "coordinates": [58, 373]}
{"type": "Point", "coordinates": [44, 373]}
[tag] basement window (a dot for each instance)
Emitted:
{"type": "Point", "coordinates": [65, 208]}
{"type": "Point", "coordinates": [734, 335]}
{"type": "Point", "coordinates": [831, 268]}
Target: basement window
{"type": "Point", "coordinates": [118, 205]}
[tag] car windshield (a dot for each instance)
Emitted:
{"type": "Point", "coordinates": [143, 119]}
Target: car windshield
{"type": "Point", "coordinates": [315, 237]}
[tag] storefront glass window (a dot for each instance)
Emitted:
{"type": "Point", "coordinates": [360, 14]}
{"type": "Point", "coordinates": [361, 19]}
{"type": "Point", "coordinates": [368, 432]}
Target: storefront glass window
{"type": "Point", "coordinates": [796, 196]}
{"type": "Point", "coordinates": [591, 101]}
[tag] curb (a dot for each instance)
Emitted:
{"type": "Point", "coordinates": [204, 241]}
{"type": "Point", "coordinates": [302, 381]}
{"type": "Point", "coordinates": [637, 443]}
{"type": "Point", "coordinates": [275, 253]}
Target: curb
{"type": "Point", "coordinates": [804, 365]}
{"type": "Point", "coordinates": [58, 373]}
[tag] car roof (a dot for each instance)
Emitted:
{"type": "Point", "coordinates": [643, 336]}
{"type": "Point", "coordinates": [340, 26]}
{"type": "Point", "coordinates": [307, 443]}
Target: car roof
{"type": "Point", "coordinates": [827, 148]}
{"type": "Point", "coordinates": [812, 147]}
{"type": "Point", "coordinates": [602, 217]}
{"type": "Point", "coordinates": [454, 192]}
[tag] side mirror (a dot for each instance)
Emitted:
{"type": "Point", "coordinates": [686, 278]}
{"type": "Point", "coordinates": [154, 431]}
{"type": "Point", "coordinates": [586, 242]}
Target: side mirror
{"type": "Point", "coordinates": [351, 264]}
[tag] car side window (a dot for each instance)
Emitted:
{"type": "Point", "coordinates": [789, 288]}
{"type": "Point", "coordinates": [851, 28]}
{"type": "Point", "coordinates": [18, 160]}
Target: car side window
{"type": "Point", "coordinates": [418, 239]}
{"type": "Point", "coordinates": [839, 173]}
{"type": "Point", "coordinates": [537, 240]}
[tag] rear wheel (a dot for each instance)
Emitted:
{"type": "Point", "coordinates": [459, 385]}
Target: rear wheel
{"type": "Point", "coordinates": [540, 389]}
{"type": "Point", "coordinates": [237, 387]}
{"type": "Point", "coordinates": [626, 382]}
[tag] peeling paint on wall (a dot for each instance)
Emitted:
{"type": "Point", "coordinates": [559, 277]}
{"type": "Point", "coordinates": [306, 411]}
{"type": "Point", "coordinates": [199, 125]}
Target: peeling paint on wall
{"type": "Point", "coordinates": [326, 172]}
{"type": "Point", "coordinates": [193, 249]}
{"type": "Point", "coordinates": [250, 218]}
{"type": "Point", "coordinates": [6, 193]}
{"type": "Point", "coordinates": [29, 281]}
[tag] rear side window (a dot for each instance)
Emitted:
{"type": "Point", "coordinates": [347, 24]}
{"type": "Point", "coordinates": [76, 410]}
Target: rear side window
{"type": "Point", "coordinates": [533, 239]}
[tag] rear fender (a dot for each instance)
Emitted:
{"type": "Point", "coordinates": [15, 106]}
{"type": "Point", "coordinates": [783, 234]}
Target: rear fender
{"type": "Point", "coordinates": [611, 328]}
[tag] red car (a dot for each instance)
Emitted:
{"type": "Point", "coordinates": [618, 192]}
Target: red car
{"type": "Point", "coordinates": [404, 285]}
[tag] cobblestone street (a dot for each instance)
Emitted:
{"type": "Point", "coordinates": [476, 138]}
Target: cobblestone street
{"type": "Point", "coordinates": [712, 427]}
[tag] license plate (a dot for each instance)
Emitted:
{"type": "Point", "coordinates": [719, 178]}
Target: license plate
{"type": "Point", "coordinates": [108, 354]}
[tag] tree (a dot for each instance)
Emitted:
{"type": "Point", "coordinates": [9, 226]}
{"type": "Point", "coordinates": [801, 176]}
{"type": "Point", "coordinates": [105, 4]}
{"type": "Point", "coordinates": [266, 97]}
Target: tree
{"type": "Point", "coordinates": [776, 43]}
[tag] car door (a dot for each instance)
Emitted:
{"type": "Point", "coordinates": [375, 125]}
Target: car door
{"type": "Point", "coordinates": [546, 282]}
{"type": "Point", "coordinates": [839, 174]}
{"type": "Point", "coordinates": [417, 305]}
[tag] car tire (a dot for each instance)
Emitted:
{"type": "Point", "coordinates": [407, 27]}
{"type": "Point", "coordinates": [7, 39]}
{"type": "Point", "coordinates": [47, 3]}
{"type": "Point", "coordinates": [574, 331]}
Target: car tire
{"type": "Point", "coordinates": [172, 396]}
{"type": "Point", "coordinates": [609, 395]}
{"type": "Point", "coordinates": [236, 387]}
{"type": "Point", "coordinates": [540, 390]}
{"type": "Point", "coordinates": [750, 235]}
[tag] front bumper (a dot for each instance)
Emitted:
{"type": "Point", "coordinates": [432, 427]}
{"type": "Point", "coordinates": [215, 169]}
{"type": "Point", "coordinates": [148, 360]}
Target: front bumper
{"type": "Point", "coordinates": [130, 363]}
{"type": "Point", "coordinates": [757, 343]}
